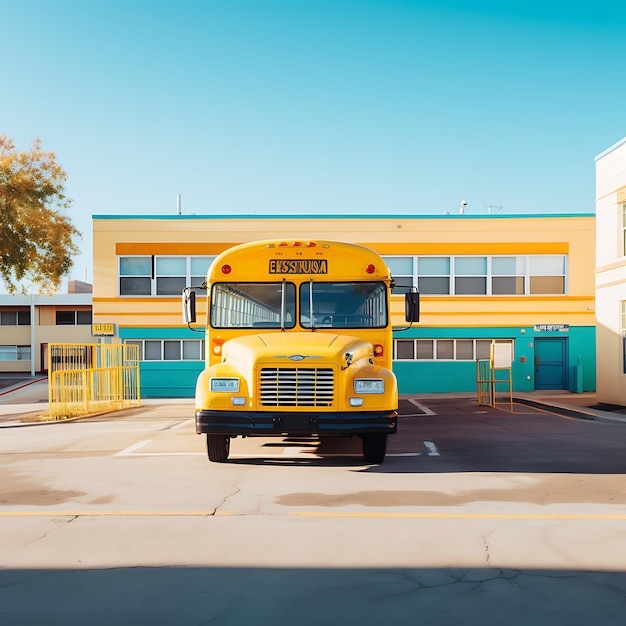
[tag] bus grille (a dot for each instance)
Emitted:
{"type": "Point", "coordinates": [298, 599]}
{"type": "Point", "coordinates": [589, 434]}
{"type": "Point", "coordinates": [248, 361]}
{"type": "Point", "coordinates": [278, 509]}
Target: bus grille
{"type": "Point", "coordinates": [292, 386]}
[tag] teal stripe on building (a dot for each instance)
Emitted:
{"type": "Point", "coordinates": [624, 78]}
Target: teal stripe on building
{"type": "Point", "coordinates": [578, 369]}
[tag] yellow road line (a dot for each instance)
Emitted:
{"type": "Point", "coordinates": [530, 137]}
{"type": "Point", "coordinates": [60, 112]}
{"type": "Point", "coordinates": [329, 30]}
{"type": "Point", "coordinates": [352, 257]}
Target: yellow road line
{"type": "Point", "coordinates": [328, 514]}
{"type": "Point", "coordinates": [112, 513]}
{"type": "Point", "coordinates": [524, 516]}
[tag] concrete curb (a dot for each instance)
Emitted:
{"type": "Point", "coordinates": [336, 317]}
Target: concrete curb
{"type": "Point", "coordinates": [573, 411]}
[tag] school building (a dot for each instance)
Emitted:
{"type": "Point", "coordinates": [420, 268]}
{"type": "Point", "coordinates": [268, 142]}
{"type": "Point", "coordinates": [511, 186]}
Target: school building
{"type": "Point", "coordinates": [526, 280]}
{"type": "Point", "coordinates": [29, 323]}
{"type": "Point", "coordinates": [611, 273]}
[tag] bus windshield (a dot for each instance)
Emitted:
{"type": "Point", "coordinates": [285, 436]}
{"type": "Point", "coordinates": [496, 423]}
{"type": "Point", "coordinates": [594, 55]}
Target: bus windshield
{"type": "Point", "coordinates": [253, 305]}
{"type": "Point", "coordinates": [273, 305]}
{"type": "Point", "coordinates": [343, 305]}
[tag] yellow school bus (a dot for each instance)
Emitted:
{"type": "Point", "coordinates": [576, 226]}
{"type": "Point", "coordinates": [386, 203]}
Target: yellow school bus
{"type": "Point", "coordinates": [298, 343]}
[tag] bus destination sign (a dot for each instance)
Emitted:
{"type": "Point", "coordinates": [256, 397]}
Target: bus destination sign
{"type": "Point", "coordinates": [298, 266]}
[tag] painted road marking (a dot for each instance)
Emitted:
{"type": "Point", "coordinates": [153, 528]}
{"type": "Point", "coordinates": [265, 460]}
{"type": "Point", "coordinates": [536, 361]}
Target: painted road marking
{"type": "Point", "coordinates": [432, 448]}
{"type": "Point", "coordinates": [421, 407]}
{"type": "Point", "coordinates": [329, 514]}
{"type": "Point", "coordinates": [522, 516]}
{"type": "Point", "coordinates": [287, 452]}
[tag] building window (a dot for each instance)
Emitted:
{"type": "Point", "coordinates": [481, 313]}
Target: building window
{"type": "Point", "coordinates": [15, 353]}
{"type": "Point", "coordinates": [15, 318]}
{"type": "Point", "coordinates": [623, 332]}
{"type": "Point", "coordinates": [433, 275]}
{"type": "Point", "coordinates": [508, 275]}
{"type": "Point", "coordinates": [470, 275]}
{"type": "Point", "coordinates": [73, 318]}
{"type": "Point", "coordinates": [169, 349]}
{"type": "Point", "coordinates": [547, 274]}
{"type": "Point", "coordinates": [524, 275]}
{"type": "Point", "coordinates": [624, 229]}
{"type": "Point", "coordinates": [163, 276]}
{"type": "Point", "coordinates": [402, 270]}
{"type": "Point", "coordinates": [444, 349]}
{"type": "Point", "coordinates": [171, 275]}
{"type": "Point", "coordinates": [135, 274]}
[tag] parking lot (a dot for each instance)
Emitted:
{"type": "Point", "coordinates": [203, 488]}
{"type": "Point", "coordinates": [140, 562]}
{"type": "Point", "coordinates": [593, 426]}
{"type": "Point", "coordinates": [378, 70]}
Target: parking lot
{"type": "Point", "coordinates": [477, 512]}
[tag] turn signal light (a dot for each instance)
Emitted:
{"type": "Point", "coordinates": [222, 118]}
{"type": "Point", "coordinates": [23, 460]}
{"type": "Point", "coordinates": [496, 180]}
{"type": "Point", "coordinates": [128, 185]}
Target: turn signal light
{"type": "Point", "coordinates": [217, 345]}
{"type": "Point", "coordinates": [378, 350]}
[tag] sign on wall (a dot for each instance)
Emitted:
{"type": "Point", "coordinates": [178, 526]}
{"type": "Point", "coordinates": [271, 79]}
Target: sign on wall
{"type": "Point", "coordinates": [102, 329]}
{"type": "Point", "coordinates": [552, 328]}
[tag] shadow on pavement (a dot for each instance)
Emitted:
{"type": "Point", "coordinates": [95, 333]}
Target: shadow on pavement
{"type": "Point", "coordinates": [284, 596]}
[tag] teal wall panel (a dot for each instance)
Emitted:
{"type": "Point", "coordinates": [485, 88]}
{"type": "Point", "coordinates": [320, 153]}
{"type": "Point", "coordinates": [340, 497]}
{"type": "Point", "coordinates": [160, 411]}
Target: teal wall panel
{"type": "Point", "coordinates": [169, 379]}
{"type": "Point", "coordinates": [161, 379]}
{"type": "Point", "coordinates": [425, 377]}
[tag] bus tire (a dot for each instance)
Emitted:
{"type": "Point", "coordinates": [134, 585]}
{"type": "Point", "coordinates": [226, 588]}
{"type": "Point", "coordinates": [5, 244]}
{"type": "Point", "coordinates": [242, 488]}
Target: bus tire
{"type": "Point", "coordinates": [374, 448]}
{"type": "Point", "coordinates": [218, 447]}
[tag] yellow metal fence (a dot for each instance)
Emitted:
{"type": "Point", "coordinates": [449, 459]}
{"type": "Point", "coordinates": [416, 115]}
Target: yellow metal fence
{"type": "Point", "coordinates": [92, 378]}
{"type": "Point", "coordinates": [487, 381]}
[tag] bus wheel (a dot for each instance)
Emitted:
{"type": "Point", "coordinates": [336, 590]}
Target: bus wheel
{"type": "Point", "coordinates": [374, 448]}
{"type": "Point", "coordinates": [218, 447]}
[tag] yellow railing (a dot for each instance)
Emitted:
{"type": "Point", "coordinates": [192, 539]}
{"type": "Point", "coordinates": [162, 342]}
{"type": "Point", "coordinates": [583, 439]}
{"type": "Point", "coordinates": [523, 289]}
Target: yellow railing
{"type": "Point", "coordinates": [487, 381]}
{"type": "Point", "coordinates": [92, 378]}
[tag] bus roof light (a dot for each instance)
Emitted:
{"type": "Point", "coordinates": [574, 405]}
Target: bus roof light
{"type": "Point", "coordinates": [370, 269]}
{"type": "Point", "coordinates": [310, 244]}
{"type": "Point", "coordinates": [226, 269]}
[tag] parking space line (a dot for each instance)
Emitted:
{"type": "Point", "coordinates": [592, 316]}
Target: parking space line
{"type": "Point", "coordinates": [421, 407]}
{"type": "Point", "coordinates": [287, 452]}
{"type": "Point", "coordinates": [128, 451]}
{"type": "Point", "coordinates": [432, 448]}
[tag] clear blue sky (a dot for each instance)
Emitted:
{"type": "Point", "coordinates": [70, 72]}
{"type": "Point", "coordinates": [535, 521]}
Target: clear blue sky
{"type": "Point", "coordinates": [316, 106]}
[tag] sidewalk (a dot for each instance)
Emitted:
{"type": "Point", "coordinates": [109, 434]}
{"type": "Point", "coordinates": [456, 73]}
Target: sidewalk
{"type": "Point", "coordinates": [581, 405]}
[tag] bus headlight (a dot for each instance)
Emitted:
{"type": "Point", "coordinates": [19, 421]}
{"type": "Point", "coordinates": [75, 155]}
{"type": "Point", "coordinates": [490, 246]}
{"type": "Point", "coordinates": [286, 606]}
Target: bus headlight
{"type": "Point", "coordinates": [224, 385]}
{"type": "Point", "coordinates": [369, 385]}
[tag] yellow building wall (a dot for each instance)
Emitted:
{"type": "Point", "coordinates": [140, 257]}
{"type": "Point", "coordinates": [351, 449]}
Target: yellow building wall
{"type": "Point", "coordinates": [573, 235]}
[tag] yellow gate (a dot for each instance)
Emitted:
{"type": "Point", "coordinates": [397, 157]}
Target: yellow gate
{"type": "Point", "coordinates": [92, 378]}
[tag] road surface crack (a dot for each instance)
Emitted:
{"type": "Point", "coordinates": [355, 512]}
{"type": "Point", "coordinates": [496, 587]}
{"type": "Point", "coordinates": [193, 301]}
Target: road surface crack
{"type": "Point", "coordinates": [226, 499]}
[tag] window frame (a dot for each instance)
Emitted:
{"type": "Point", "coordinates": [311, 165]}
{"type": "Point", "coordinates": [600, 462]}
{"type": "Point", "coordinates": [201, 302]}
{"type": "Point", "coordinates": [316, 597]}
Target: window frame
{"type": "Point", "coordinates": [18, 317]}
{"type": "Point", "coordinates": [190, 279]}
{"type": "Point", "coordinates": [623, 333]}
{"type": "Point", "coordinates": [526, 283]}
{"type": "Point", "coordinates": [437, 349]}
{"type": "Point", "coordinates": [623, 229]}
{"type": "Point", "coordinates": [74, 313]}
{"type": "Point", "coordinates": [19, 353]}
{"type": "Point", "coordinates": [162, 340]}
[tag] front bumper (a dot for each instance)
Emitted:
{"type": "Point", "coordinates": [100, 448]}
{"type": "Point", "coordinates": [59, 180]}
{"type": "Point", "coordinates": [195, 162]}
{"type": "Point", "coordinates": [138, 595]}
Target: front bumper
{"type": "Point", "coordinates": [295, 423]}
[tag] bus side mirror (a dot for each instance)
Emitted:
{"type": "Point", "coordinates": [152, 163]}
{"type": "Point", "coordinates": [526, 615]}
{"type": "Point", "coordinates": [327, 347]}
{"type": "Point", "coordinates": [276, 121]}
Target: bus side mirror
{"type": "Point", "coordinates": [412, 306]}
{"type": "Point", "coordinates": [189, 306]}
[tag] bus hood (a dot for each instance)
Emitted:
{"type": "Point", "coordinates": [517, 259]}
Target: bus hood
{"type": "Point", "coordinates": [313, 348]}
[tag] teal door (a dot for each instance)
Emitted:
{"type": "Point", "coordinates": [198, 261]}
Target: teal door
{"type": "Point", "coordinates": [551, 363]}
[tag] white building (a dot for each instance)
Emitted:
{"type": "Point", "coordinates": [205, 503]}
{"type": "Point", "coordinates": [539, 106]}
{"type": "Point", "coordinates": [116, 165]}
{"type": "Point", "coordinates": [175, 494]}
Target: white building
{"type": "Point", "coordinates": [29, 323]}
{"type": "Point", "coordinates": [611, 274]}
